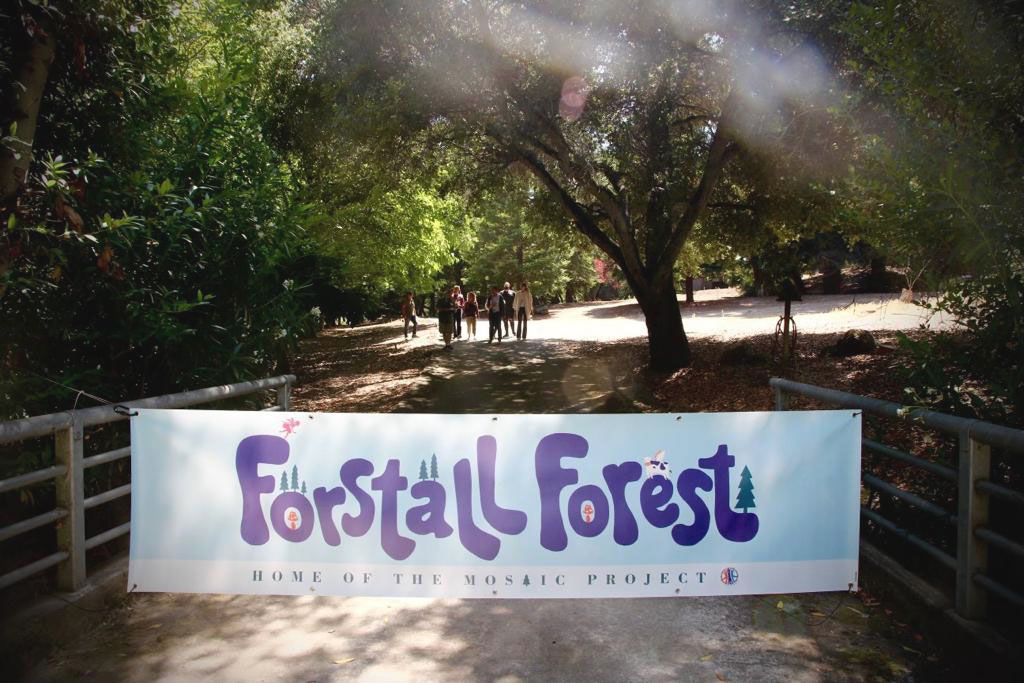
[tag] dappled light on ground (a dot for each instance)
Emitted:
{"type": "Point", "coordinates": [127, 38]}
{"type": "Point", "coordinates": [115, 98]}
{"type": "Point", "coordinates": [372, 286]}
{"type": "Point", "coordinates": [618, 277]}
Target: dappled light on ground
{"type": "Point", "coordinates": [230, 638]}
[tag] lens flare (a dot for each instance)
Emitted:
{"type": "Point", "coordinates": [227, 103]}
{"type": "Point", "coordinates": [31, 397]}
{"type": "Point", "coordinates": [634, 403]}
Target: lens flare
{"type": "Point", "coordinates": [574, 98]}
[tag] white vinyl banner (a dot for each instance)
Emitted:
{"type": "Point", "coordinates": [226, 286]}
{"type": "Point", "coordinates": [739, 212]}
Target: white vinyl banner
{"type": "Point", "coordinates": [507, 506]}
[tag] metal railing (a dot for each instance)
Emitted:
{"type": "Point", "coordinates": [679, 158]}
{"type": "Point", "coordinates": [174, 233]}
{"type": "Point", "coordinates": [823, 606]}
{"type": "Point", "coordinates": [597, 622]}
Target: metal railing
{"type": "Point", "coordinates": [971, 479]}
{"type": "Point", "coordinates": [68, 428]}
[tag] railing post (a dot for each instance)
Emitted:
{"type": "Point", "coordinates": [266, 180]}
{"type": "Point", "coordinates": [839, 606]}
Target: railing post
{"type": "Point", "coordinates": [284, 396]}
{"type": "Point", "coordinates": [972, 552]}
{"type": "Point", "coordinates": [781, 399]}
{"type": "Point", "coordinates": [71, 497]}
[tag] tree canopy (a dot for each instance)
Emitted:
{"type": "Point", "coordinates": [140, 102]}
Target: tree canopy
{"type": "Point", "coordinates": [189, 187]}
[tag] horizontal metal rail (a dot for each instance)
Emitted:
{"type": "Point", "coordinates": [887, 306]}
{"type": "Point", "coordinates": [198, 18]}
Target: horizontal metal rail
{"type": "Point", "coordinates": [974, 490]}
{"type": "Point", "coordinates": [934, 468]}
{"type": "Point", "coordinates": [67, 430]}
{"type": "Point", "coordinates": [992, 434]}
{"type": "Point", "coordinates": [23, 480]}
{"type": "Point", "coordinates": [109, 456]}
{"type": "Point", "coordinates": [1000, 491]}
{"type": "Point", "coordinates": [999, 589]}
{"type": "Point", "coordinates": [918, 542]}
{"type": "Point", "coordinates": [915, 500]}
{"type": "Point", "coordinates": [30, 569]}
{"type": "Point", "coordinates": [43, 425]}
{"type": "Point", "coordinates": [31, 523]}
{"type": "Point", "coordinates": [108, 535]}
{"type": "Point", "coordinates": [1000, 541]}
{"type": "Point", "coordinates": [107, 496]}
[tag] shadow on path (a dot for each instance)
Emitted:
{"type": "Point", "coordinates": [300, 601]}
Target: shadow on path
{"type": "Point", "coordinates": [313, 638]}
{"type": "Point", "coordinates": [531, 376]}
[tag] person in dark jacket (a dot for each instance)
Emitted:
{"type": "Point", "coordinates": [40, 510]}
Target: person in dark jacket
{"type": "Point", "coordinates": [508, 309]}
{"type": "Point", "coordinates": [493, 306]}
{"type": "Point", "coordinates": [446, 318]}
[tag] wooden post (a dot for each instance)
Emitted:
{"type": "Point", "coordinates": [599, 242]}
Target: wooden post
{"type": "Point", "coordinates": [972, 512]}
{"type": "Point", "coordinates": [71, 497]}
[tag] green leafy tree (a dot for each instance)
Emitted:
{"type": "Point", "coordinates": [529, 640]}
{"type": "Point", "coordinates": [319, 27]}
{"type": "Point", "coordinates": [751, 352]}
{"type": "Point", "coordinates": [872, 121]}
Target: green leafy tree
{"type": "Point", "coordinates": [520, 237]}
{"type": "Point", "coordinates": [168, 251]}
{"type": "Point", "coordinates": [636, 149]}
{"type": "Point", "coordinates": [745, 498]}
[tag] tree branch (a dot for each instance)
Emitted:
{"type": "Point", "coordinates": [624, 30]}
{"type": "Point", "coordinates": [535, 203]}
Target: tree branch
{"type": "Point", "coordinates": [584, 222]}
{"type": "Point", "coordinates": [721, 151]}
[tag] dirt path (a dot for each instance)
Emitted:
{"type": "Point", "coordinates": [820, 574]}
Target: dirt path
{"type": "Point", "coordinates": [170, 638]}
{"type": "Point", "coordinates": [575, 358]}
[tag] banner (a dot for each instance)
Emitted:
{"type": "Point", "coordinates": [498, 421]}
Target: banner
{"type": "Point", "coordinates": [506, 506]}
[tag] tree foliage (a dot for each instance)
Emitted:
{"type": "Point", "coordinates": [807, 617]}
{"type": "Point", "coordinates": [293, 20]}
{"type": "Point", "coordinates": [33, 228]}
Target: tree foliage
{"type": "Point", "coordinates": [153, 245]}
{"type": "Point", "coordinates": [628, 114]}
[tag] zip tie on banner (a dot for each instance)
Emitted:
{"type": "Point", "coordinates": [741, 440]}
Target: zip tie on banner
{"type": "Point", "coordinates": [125, 411]}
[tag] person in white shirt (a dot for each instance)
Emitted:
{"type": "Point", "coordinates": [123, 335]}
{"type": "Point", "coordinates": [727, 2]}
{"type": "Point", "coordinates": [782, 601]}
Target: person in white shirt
{"type": "Point", "coordinates": [523, 305]}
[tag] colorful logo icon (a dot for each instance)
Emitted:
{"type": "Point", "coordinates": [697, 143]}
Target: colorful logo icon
{"type": "Point", "coordinates": [730, 576]}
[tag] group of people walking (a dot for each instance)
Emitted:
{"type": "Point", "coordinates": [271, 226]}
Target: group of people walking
{"type": "Point", "coordinates": [505, 307]}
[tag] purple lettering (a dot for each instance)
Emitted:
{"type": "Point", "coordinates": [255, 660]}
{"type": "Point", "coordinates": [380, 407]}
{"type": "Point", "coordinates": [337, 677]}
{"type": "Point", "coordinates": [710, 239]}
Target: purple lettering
{"type": "Point", "coordinates": [473, 539]}
{"type": "Point", "coordinates": [739, 527]}
{"type": "Point", "coordinates": [389, 483]}
{"type": "Point", "coordinates": [655, 493]}
{"type": "Point", "coordinates": [429, 517]}
{"type": "Point", "coordinates": [291, 532]}
{"type": "Point", "coordinates": [252, 450]}
{"type": "Point", "coordinates": [325, 502]}
{"type": "Point", "coordinates": [688, 483]}
{"type": "Point", "coordinates": [504, 520]}
{"type": "Point", "coordinates": [357, 525]}
{"type": "Point", "coordinates": [551, 479]}
{"type": "Point", "coordinates": [595, 495]}
{"type": "Point", "coordinates": [617, 476]}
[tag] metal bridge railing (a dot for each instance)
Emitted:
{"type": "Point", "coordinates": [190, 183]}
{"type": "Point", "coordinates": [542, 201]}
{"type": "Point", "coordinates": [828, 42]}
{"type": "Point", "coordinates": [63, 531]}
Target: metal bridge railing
{"type": "Point", "coordinates": [68, 428]}
{"type": "Point", "coordinates": [971, 478]}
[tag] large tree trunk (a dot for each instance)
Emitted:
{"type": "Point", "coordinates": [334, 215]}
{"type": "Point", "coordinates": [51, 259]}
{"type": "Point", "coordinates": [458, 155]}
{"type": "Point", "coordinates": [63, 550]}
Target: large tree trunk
{"type": "Point", "coordinates": [666, 339]}
{"type": "Point", "coordinates": [16, 157]}
{"type": "Point", "coordinates": [688, 284]}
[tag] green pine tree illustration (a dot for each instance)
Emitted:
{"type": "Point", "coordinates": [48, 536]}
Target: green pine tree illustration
{"type": "Point", "coordinates": [423, 469]}
{"type": "Point", "coordinates": [284, 481]}
{"type": "Point", "coordinates": [295, 477]}
{"type": "Point", "coordinates": [433, 466]}
{"type": "Point", "coordinates": [745, 499]}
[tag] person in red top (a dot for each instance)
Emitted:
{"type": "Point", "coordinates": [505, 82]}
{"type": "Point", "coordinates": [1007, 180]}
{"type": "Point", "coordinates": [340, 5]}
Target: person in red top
{"type": "Point", "coordinates": [409, 313]}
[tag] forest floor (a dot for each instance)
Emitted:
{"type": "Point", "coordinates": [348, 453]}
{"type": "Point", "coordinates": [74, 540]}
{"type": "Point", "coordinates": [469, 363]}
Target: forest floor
{"type": "Point", "coordinates": [580, 358]}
